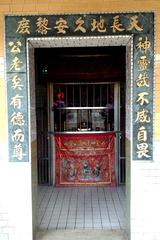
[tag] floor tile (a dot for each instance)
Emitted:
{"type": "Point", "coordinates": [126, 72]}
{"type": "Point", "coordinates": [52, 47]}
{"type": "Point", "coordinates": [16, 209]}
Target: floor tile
{"type": "Point", "coordinates": [81, 208]}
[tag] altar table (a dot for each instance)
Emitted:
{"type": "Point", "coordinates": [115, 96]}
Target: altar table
{"type": "Point", "coordinates": [85, 159]}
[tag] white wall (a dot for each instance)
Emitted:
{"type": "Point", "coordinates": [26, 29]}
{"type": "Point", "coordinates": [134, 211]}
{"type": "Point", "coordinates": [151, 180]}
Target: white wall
{"type": "Point", "coordinates": [145, 200]}
{"type": "Point", "coordinates": [15, 200]}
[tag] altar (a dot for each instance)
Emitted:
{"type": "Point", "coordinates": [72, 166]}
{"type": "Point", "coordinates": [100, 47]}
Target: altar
{"type": "Point", "coordinates": [85, 159]}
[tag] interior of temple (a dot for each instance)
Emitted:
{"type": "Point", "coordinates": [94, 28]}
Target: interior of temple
{"type": "Point", "coordinates": [80, 108]}
{"type": "Point", "coordinates": [80, 95]}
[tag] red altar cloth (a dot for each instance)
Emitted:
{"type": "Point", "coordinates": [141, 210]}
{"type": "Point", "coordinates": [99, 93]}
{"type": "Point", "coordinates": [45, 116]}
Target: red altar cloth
{"type": "Point", "coordinates": [85, 159]}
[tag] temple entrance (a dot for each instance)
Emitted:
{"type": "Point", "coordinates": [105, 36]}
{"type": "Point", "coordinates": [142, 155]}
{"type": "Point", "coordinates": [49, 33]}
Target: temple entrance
{"type": "Point", "coordinates": [81, 122]}
{"type": "Point", "coordinates": [80, 96]}
{"type": "Point", "coordinates": [21, 43]}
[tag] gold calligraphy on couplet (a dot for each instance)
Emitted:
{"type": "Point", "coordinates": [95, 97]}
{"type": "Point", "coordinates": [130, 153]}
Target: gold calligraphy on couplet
{"type": "Point", "coordinates": [143, 63]}
{"type": "Point", "coordinates": [16, 101]}
{"type": "Point", "coordinates": [15, 47]}
{"type": "Point", "coordinates": [134, 24]}
{"type": "Point", "coordinates": [143, 116]}
{"type": "Point", "coordinates": [23, 26]}
{"type": "Point", "coordinates": [18, 151]}
{"type": "Point", "coordinates": [142, 134]}
{"type": "Point", "coordinates": [142, 150]}
{"type": "Point", "coordinates": [61, 25]}
{"type": "Point", "coordinates": [42, 26]}
{"type": "Point", "coordinates": [117, 26]}
{"type": "Point", "coordinates": [80, 25]}
{"type": "Point", "coordinates": [17, 118]}
{"type": "Point", "coordinates": [142, 80]}
{"type": "Point", "coordinates": [18, 139]}
{"type": "Point", "coordinates": [15, 65]}
{"type": "Point", "coordinates": [18, 135]}
{"type": "Point", "coordinates": [16, 82]}
{"type": "Point", "coordinates": [142, 146]}
{"type": "Point", "coordinates": [142, 99]}
{"type": "Point", "coordinates": [99, 24]}
{"type": "Point", "coordinates": [143, 45]}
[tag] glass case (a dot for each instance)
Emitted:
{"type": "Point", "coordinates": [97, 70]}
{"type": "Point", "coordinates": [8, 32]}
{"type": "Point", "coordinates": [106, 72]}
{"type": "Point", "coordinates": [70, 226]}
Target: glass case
{"type": "Point", "coordinates": [83, 108]}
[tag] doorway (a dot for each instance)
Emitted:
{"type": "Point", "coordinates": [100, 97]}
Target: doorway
{"type": "Point", "coordinates": [80, 91]}
{"type": "Point", "coordinates": [46, 87]}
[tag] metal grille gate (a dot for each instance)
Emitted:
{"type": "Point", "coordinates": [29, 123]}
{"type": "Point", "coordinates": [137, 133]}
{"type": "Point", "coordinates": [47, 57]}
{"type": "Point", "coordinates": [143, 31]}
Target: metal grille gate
{"type": "Point", "coordinates": [42, 136]}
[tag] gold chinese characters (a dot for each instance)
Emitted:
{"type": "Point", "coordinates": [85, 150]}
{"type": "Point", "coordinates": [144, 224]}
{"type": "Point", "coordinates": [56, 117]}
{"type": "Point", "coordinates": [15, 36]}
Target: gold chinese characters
{"type": "Point", "coordinates": [42, 25]}
{"type": "Point", "coordinates": [143, 118]}
{"type": "Point", "coordinates": [17, 118]}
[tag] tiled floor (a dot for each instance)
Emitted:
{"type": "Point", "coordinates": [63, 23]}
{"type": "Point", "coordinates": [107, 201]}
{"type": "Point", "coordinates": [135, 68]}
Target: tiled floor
{"type": "Point", "coordinates": [81, 208]}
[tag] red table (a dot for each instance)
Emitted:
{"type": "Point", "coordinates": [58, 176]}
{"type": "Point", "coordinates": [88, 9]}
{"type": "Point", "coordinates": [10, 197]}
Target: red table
{"type": "Point", "coordinates": [85, 159]}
